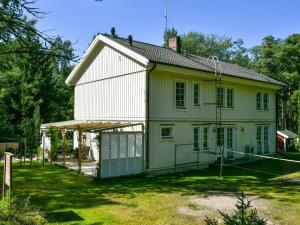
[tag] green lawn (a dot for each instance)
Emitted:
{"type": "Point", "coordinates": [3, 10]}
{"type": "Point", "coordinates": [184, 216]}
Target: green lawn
{"type": "Point", "coordinates": [70, 198]}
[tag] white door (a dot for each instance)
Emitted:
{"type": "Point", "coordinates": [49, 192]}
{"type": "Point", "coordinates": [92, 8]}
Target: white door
{"type": "Point", "coordinates": [122, 154]}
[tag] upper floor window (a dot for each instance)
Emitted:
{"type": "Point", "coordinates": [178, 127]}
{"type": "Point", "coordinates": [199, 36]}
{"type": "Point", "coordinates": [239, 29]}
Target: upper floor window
{"type": "Point", "coordinates": [225, 97]}
{"type": "Point", "coordinates": [196, 94]}
{"type": "Point", "coordinates": [262, 101]}
{"type": "Point", "coordinates": [220, 97]}
{"type": "Point", "coordinates": [258, 101]}
{"type": "Point", "coordinates": [266, 101]}
{"type": "Point", "coordinates": [230, 97]}
{"type": "Point", "coordinates": [180, 95]}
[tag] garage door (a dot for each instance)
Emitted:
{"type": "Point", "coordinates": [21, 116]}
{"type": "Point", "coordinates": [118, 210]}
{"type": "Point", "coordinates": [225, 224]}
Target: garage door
{"type": "Point", "coordinates": [122, 154]}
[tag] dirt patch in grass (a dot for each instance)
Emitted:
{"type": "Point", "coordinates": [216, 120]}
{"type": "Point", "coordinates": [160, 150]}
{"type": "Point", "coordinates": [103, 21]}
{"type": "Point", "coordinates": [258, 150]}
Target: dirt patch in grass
{"type": "Point", "coordinates": [202, 206]}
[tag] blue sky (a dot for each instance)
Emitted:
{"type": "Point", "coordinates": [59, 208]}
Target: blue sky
{"type": "Point", "coordinates": [79, 20]}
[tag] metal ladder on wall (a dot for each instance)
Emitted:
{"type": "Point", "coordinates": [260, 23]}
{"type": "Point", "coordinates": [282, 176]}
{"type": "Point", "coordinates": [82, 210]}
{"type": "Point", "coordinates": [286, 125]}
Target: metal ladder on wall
{"type": "Point", "coordinates": [219, 105]}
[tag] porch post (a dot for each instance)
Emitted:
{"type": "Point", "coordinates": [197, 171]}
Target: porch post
{"type": "Point", "coordinates": [65, 145]}
{"type": "Point", "coordinates": [79, 150]}
{"type": "Point", "coordinates": [99, 152]}
{"type": "Point", "coordinates": [44, 149]}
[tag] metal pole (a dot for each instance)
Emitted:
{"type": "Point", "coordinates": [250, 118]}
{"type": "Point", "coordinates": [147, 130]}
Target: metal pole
{"type": "Point", "coordinates": [175, 158]}
{"type": "Point", "coordinates": [64, 146]}
{"type": "Point", "coordinates": [197, 159]}
{"type": "Point", "coordinates": [4, 173]}
{"type": "Point", "coordinates": [25, 151]}
{"type": "Point", "coordinates": [43, 149]}
{"type": "Point", "coordinates": [20, 151]}
{"type": "Point", "coordinates": [99, 152]}
{"type": "Point", "coordinates": [222, 162]}
{"type": "Point", "coordinates": [79, 150]}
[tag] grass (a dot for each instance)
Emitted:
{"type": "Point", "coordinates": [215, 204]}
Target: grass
{"type": "Point", "coordinates": [69, 198]}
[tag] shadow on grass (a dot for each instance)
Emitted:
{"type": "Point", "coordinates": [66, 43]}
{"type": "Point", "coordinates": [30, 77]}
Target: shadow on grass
{"type": "Point", "coordinates": [63, 216]}
{"type": "Point", "coordinates": [53, 188]}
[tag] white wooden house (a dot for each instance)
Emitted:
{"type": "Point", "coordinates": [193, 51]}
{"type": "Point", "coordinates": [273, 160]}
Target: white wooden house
{"type": "Point", "coordinates": [174, 94]}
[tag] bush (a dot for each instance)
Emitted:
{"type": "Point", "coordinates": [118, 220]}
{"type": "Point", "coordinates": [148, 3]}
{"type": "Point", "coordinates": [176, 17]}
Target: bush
{"type": "Point", "coordinates": [243, 215]}
{"type": "Point", "coordinates": [19, 212]}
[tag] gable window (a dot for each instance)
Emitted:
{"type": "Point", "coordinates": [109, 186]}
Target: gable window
{"type": "Point", "coordinates": [266, 101]}
{"type": "Point", "coordinates": [196, 94]}
{"type": "Point", "coordinates": [229, 97]}
{"type": "Point", "coordinates": [166, 133]}
{"type": "Point", "coordinates": [220, 97]}
{"type": "Point", "coordinates": [180, 95]}
{"type": "Point", "coordinates": [258, 101]}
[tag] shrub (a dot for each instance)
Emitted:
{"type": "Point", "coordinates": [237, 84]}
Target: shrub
{"type": "Point", "coordinates": [19, 212]}
{"type": "Point", "coordinates": [243, 215]}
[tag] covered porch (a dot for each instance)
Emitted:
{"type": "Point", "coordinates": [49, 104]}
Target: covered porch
{"type": "Point", "coordinates": [95, 148]}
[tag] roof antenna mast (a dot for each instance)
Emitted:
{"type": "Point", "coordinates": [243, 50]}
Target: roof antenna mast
{"type": "Point", "coordinates": [166, 16]}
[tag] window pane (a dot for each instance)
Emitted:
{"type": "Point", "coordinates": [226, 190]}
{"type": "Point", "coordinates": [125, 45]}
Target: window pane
{"type": "Point", "coordinates": [166, 132]}
{"type": "Point", "coordinates": [220, 97]}
{"type": "Point", "coordinates": [130, 145]}
{"type": "Point", "coordinates": [196, 94]}
{"type": "Point", "coordinates": [258, 139]}
{"type": "Point", "coordinates": [229, 137]}
{"type": "Point", "coordinates": [258, 101]}
{"type": "Point", "coordinates": [139, 145]}
{"type": "Point", "coordinates": [180, 95]}
{"type": "Point", "coordinates": [123, 146]}
{"type": "Point", "coordinates": [114, 151]}
{"type": "Point", "coordinates": [205, 137]}
{"type": "Point", "coordinates": [266, 100]}
{"type": "Point", "coordinates": [266, 139]}
{"type": "Point", "coordinates": [220, 137]}
{"type": "Point", "coordinates": [105, 148]}
{"type": "Point", "coordinates": [196, 138]}
{"type": "Point", "coordinates": [229, 97]}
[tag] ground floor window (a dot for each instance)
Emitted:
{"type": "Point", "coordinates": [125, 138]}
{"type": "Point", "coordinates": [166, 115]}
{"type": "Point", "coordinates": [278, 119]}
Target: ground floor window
{"type": "Point", "coordinates": [220, 137]}
{"type": "Point", "coordinates": [201, 138]}
{"type": "Point", "coordinates": [262, 139]}
{"type": "Point", "coordinates": [166, 133]}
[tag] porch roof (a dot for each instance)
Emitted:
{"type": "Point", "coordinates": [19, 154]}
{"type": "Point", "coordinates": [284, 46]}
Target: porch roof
{"type": "Point", "coordinates": [86, 125]}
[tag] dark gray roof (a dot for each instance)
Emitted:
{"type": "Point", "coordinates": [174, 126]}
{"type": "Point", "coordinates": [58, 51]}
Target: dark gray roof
{"type": "Point", "coordinates": [167, 56]}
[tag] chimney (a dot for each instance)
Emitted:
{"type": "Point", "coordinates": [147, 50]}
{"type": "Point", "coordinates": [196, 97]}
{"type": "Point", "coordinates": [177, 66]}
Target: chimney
{"type": "Point", "coordinates": [174, 43]}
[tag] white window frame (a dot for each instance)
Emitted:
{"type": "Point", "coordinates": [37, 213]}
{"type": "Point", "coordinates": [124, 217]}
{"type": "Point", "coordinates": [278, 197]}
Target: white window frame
{"type": "Point", "coordinates": [201, 137]}
{"type": "Point", "coordinates": [262, 138]}
{"type": "Point", "coordinates": [230, 88]}
{"type": "Point", "coordinates": [262, 100]}
{"type": "Point", "coordinates": [225, 98]}
{"type": "Point", "coordinates": [167, 137]}
{"type": "Point", "coordinates": [185, 107]}
{"type": "Point", "coordinates": [199, 93]}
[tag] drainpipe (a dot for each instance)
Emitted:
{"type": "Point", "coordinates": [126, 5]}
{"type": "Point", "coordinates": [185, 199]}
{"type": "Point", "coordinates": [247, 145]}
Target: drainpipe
{"type": "Point", "coordinates": [276, 119]}
{"type": "Point", "coordinates": [148, 114]}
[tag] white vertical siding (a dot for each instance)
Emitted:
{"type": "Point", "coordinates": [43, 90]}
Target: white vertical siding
{"type": "Point", "coordinates": [243, 117]}
{"type": "Point", "coordinates": [162, 100]}
{"type": "Point", "coordinates": [112, 87]}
